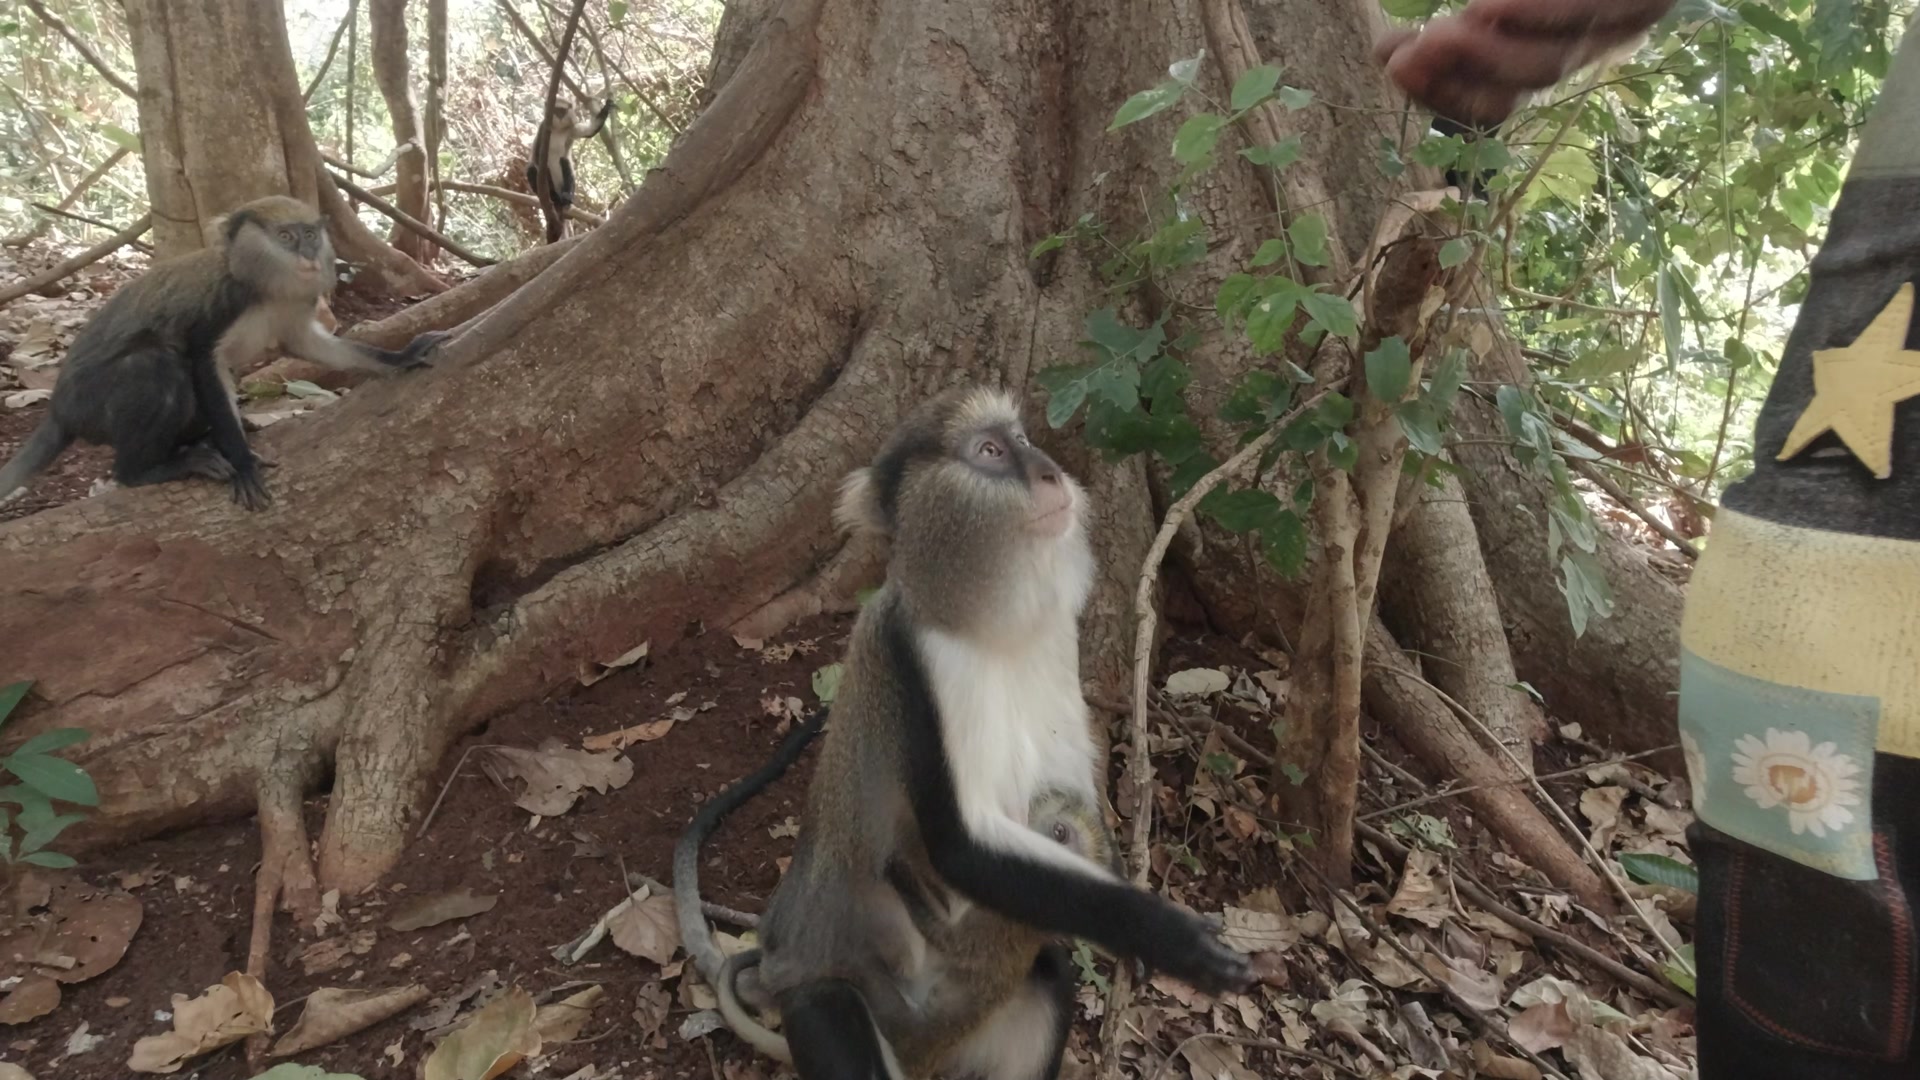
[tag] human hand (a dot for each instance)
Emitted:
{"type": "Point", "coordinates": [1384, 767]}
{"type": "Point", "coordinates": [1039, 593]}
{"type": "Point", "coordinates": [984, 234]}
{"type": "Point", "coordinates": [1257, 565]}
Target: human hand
{"type": "Point", "coordinates": [1477, 65]}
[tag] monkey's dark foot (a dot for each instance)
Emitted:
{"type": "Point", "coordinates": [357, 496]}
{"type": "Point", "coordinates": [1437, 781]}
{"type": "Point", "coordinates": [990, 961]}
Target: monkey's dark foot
{"type": "Point", "coordinates": [207, 462]}
{"type": "Point", "coordinates": [249, 491]}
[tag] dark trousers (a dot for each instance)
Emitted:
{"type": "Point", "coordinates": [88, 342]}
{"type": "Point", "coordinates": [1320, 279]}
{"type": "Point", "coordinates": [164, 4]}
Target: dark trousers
{"type": "Point", "coordinates": [1804, 975]}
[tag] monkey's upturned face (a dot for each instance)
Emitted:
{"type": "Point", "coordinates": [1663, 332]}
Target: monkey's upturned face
{"type": "Point", "coordinates": [1001, 454]}
{"type": "Point", "coordinates": [304, 243]}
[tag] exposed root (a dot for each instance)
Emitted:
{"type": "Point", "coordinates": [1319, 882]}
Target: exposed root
{"type": "Point", "coordinates": [859, 561]}
{"type": "Point", "coordinates": [285, 879]}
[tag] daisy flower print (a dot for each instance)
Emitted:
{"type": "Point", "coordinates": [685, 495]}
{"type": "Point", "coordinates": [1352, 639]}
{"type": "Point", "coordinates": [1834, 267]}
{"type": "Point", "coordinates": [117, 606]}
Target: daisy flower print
{"type": "Point", "coordinates": [1816, 785]}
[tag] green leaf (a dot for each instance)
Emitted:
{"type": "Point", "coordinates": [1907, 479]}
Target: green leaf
{"type": "Point", "coordinates": [121, 137]}
{"type": "Point", "coordinates": [1189, 473]}
{"type": "Point", "coordinates": [1195, 140]}
{"type": "Point", "coordinates": [1333, 312]}
{"type": "Point", "coordinates": [1244, 511]}
{"type": "Point", "coordinates": [1389, 370]}
{"type": "Point", "coordinates": [1671, 328]}
{"type": "Point", "coordinates": [11, 696]}
{"type": "Point", "coordinates": [1107, 333]}
{"type": "Point", "coordinates": [616, 12]}
{"type": "Point", "coordinates": [54, 777]}
{"type": "Point", "coordinates": [1390, 162]}
{"type": "Point", "coordinates": [1233, 294]}
{"type": "Point", "coordinates": [1147, 103]}
{"type": "Point", "coordinates": [1421, 425]}
{"type": "Point", "coordinates": [301, 388]}
{"type": "Point", "coordinates": [1064, 401]}
{"type": "Point", "coordinates": [1309, 235]}
{"type": "Point", "coordinates": [1661, 870]}
{"type": "Point", "coordinates": [1343, 452]}
{"type": "Point", "coordinates": [1283, 541]}
{"type": "Point", "coordinates": [1278, 156]}
{"type": "Point", "coordinates": [1681, 974]}
{"type": "Point", "coordinates": [42, 832]}
{"type": "Point", "coordinates": [1602, 363]}
{"type": "Point", "coordinates": [1270, 318]}
{"type": "Point", "coordinates": [1293, 773]}
{"type": "Point", "coordinates": [1254, 86]}
{"type": "Point", "coordinates": [1438, 151]}
{"type": "Point", "coordinates": [1271, 251]}
{"type": "Point", "coordinates": [1447, 380]}
{"type": "Point", "coordinates": [826, 683]}
{"type": "Point", "coordinates": [52, 860]}
{"type": "Point", "coordinates": [1410, 9]}
{"type": "Point", "coordinates": [1569, 174]}
{"type": "Point", "coordinates": [1584, 583]}
{"type": "Point", "coordinates": [1163, 380]}
{"type": "Point", "coordinates": [1454, 252]}
{"type": "Point", "coordinates": [1295, 98]}
{"type": "Point", "coordinates": [1055, 241]}
{"type": "Point", "coordinates": [1117, 383]}
{"type": "Point", "coordinates": [1187, 69]}
{"type": "Point", "coordinates": [58, 739]}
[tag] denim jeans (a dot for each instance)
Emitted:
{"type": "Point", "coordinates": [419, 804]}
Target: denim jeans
{"type": "Point", "coordinates": [1800, 665]}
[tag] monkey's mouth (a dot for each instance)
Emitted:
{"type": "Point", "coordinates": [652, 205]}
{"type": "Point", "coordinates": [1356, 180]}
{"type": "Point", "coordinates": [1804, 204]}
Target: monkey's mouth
{"type": "Point", "coordinates": [1053, 520]}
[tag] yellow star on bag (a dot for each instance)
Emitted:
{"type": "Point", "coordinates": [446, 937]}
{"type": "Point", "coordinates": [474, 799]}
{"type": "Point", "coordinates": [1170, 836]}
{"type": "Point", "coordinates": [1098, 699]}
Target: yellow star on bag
{"type": "Point", "coordinates": [1856, 387]}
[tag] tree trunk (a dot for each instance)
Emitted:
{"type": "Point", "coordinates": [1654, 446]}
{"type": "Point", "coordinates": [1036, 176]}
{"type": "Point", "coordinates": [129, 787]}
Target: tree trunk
{"type": "Point", "coordinates": [647, 437]}
{"type": "Point", "coordinates": [222, 122]}
{"type": "Point", "coordinates": [387, 44]}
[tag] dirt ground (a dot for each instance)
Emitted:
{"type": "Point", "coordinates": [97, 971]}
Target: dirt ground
{"type": "Point", "coordinates": [552, 882]}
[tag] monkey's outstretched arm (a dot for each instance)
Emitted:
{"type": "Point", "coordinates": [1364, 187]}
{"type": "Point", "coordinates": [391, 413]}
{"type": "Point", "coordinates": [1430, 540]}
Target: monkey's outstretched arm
{"type": "Point", "coordinates": [1015, 872]}
{"type": "Point", "coordinates": [587, 129]}
{"type": "Point", "coordinates": [308, 340]}
{"type": "Point", "coordinates": [222, 414]}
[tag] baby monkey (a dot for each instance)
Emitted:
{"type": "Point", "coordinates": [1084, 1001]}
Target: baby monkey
{"type": "Point", "coordinates": [152, 373]}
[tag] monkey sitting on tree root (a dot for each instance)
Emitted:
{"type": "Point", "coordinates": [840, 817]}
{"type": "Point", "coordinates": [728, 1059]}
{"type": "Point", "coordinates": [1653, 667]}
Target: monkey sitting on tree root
{"type": "Point", "coordinates": [556, 136]}
{"type": "Point", "coordinates": [152, 373]}
{"type": "Point", "coordinates": [981, 953]}
{"type": "Point", "coordinates": [959, 704]}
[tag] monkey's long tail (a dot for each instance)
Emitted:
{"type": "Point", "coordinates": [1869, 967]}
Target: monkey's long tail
{"type": "Point", "coordinates": [695, 934]}
{"type": "Point", "coordinates": [45, 444]}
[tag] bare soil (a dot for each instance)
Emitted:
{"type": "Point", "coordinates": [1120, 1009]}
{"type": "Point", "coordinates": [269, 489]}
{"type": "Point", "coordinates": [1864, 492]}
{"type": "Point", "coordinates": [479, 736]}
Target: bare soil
{"type": "Point", "coordinates": [552, 881]}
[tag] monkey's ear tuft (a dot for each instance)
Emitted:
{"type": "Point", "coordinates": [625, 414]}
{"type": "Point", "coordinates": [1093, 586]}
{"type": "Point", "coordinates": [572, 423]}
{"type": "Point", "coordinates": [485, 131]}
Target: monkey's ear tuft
{"type": "Point", "coordinates": [858, 508]}
{"type": "Point", "coordinates": [230, 226]}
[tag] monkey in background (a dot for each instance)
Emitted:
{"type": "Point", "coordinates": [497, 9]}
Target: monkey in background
{"type": "Point", "coordinates": [554, 167]}
{"type": "Point", "coordinates": [959, 705]}
{"type": "Point", "coordinates": [151, 374]}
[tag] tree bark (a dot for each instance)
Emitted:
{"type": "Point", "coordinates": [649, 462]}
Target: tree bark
{"type": "Point", "coordinates": [387, 46]}
{"type": "Point", "coordinates": [647, 436]}
{"type": "Point", "coordinates": [222, 122]}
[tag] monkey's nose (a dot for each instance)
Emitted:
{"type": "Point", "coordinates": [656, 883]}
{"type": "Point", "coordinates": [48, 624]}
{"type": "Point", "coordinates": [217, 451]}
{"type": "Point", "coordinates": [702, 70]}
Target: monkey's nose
{"type": "Point", "coordinates": [1047, 474]}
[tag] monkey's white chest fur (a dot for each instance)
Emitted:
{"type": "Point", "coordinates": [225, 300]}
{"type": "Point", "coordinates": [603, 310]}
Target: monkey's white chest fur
{"type": "Point", "coordinates": [1013, 722]}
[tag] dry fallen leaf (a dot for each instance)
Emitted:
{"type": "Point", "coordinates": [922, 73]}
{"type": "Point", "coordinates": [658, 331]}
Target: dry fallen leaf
{"type": "Point", "coordinates": [1212, 1059]}
{"type": "Point", "coordinates": [651, 1003]}
{"type": "Point", "coordinates": [561, 1021]}
{"type": "Point", "coordinates": [593, 674]}
{"type": "Point", "coordinates": [1601, 806]}
{"type": "Point", "coordinates": [1421, 897]}
{"type": "Point", "coordinates": [336, 952]}
{"type": "Point", "coordinates": [425, 911]}
{"type": "Point", "coordinates": [1500, 1067]}
{"type": "Point", "coordinates": [498, 1037]}
{"type": "Point", "coordinates": [440, 1015]}
{"type": "Point", "coordinates": [1250, 931]}
{"type": "Point", "coordinates": [236, 1008]}
{"type": "Point", "coordinates": [1599, 1054]}
{"type": "Point", "coordinates": [332, 1014]}
{"type": "Point", "coordinates": [646, 928]}
{"type": "Point", "coordinates": [1541, 1027]}
{"type": "Point", "coordinates": [555, 775]}
{"type": "Point", "coordinates": [10, 1071]}
{"type": "Point", "coordinates": [1477, 988]}
{"type": "Point", "coordinates": [35, 996]}
{"type": "Point", "coordinates": [625, 737]}
{"type": "Point", "coordinates": [1196, 682]}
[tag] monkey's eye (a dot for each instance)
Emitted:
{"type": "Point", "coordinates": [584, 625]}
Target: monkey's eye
{"type": "Point", "coordinates": [989, 449]}
{"type": "Point", "coordinates": [1060, 832]}
{"type": "Point", "coordinates": [286, 236]}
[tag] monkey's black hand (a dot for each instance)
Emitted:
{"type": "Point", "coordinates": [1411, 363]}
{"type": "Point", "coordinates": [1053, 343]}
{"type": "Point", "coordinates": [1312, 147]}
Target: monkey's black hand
{"type": "Point", "coordinates": [606, 108]}
{"type": "Point", "coordinates": [1185, 946]}
{"type": "Point", "coordinates": [249, 490]}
